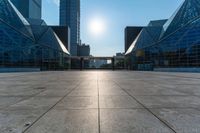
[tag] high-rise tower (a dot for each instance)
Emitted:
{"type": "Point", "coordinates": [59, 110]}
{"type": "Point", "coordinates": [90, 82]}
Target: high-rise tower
{"type": "Point", "coordinates": [29, 8]}
{"type": "Point", "coordinates": [70, 16]}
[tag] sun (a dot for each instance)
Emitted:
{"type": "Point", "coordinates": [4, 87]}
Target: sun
{"type": "Point", "coordinates": [97, 26]}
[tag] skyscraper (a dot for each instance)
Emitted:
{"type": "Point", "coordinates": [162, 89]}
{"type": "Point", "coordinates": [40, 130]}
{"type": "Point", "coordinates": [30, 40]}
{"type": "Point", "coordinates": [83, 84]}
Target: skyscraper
{"type": "Point", "coordinates": [29, 8]}
{"type": "Point", "coordinates": [70, 16]}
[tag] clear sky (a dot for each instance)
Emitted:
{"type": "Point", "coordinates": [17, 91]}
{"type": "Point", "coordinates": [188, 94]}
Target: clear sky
{"type": "Point", "coordinates": [116, 15]}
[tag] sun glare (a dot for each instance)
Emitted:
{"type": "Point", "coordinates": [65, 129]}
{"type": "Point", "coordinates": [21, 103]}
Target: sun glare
{"type": "Point", "coordinates": [97, 26]}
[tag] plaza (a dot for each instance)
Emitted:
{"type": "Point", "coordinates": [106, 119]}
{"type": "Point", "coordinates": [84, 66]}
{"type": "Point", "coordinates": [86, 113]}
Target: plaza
{"type": "Point", "coordinates": [99, 102]}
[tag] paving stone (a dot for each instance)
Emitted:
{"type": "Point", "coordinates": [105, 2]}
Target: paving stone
{"type": "Point", "coordinates": [170, 101]}
{"type": "Point", "coordinates": [42, 103]}
{"type": "Point", "coordinates": [16, 121]}
{"type": "Point", "coordinates": [88, 102]}
{"type": "Point", "coordinates": [112, 92]}
{"type": "Point", "coordinates": [84, 92]}
{"type": "Point", "coordinates": [182, 120]}
{"type": "Point", "coordinates": [76, 101]}
{"type": "Point", "coordinates": [154, 91]}
{"type": "Point", "coordinates": [55, 92]}
{"type": "Point", "coordinates": [130, 121]}
{"type": "Point", "coordinates": [6, 101]}
{"type": "Point", "coordinates": [118, 102]}
{"type": "Point", "coordinates": [67, 121]}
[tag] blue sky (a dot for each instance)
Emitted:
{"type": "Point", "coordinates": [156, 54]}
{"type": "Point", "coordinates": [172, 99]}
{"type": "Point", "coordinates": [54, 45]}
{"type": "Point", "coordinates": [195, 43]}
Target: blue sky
{"type": "Point", "coordinates": [117, 14]}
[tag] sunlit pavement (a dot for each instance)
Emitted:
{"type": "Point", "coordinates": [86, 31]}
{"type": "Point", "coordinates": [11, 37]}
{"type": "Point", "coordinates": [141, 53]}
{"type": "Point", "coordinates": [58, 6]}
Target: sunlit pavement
{"type": "Point", "coordinates": [99, 101]}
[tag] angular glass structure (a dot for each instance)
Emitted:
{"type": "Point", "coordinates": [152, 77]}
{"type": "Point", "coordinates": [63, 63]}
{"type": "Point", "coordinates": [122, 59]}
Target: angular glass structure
{"type": "Point", "coordinates": [169, 43]}
{"type": "Point", "coordinates": [131, 33]}
{"type": "Point", "coordinates": [29, 8]}
{"type": "Point", "coordinates": [25, 43]}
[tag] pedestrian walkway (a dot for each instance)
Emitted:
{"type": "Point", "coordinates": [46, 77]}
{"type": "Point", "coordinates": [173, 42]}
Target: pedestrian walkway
{"type": "Point", "coordinates": [99, 102]}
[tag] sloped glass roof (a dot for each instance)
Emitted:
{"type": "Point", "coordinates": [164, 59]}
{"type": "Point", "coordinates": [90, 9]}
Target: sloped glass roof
{"type": "Point", "coordinates": [49, 38]}
{"type": "Point", "coordinates": [36, 21]}
{"type": "Point", "coordinates": [38, 27]}
{"type": "Point", "coordinates": [8, 13]}
{"type": "Point", "coordinates": [132, 45]}
{"type": "Point", "coordinates": [38, 31]}
{"type": "Point", "coordinates": [148, 35]}
{"type": "Point", "coordinates": [61, 45]}
{"type": "Point", "coordinates": [155, 28]}
{"type": "Point", "coordinates": [187, 12]}
{"type": "Point", "coordinates": [154, 32]}
{"type": "Point", "coordinates": [157, 23]}
{"type": "Point", "coordinates": [145, 39]}
{"type": "Point", "coordinates": [12, 40]}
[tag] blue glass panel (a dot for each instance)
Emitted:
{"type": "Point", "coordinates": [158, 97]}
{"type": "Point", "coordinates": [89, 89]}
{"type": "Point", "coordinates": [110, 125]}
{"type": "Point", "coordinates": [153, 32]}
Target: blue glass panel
{"type": "Point", "coordinates": [185, 14]}
{"type": "Point", "coordinates": [154, 32]}
{"type": "Point", "coordinates": [39, 30]}
{"type": "Point", "coordinates": [15, 46]}
{"type": "Point", "coordinates": [10, 15]}
{"type": "Point", "coordinates": [49, 39]}
{"type": "Point", "coordinates": [144, 40]}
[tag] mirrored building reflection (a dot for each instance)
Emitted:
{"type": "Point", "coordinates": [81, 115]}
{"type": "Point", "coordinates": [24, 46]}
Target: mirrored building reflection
{"type": "Point", "coordinates": [28, 42]}
{"type": "Point", "coordinates": [172, 43]}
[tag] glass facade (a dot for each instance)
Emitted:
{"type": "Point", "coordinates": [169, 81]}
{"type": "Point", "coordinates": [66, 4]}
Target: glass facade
{"type": "Point", "coordinates": [70, 16]}
{"type": "Point", "coordinates": [28, 43]}
{"type": "Point", "coordinates": [29, 8]}
{"type": "Point", "coordinates": [169, 43]}
{"type": "Point", "coordinates": [131, 33]}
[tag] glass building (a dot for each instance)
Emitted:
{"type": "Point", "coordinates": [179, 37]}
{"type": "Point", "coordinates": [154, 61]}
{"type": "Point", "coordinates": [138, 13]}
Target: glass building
{"type": "Point", "coordinates": [28, 42]}
{"type": "Point", "coordinates": [131, 33]}
{"type": "Point", "coordinates": [29, 8]}
{"type": "Point", "coordinates": [172, 43]}
{"type": "Point", "coordinates": [70, 16]}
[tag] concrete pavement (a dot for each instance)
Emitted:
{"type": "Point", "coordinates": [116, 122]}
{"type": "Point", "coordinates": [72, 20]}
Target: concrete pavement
{"type": "Point", "coordinates": [99, 102]}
